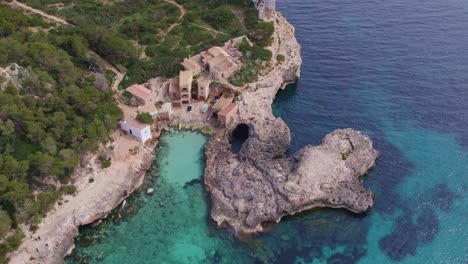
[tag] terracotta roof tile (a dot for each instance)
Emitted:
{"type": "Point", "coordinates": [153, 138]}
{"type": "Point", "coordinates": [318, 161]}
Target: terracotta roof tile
{"type": "Point", "coordinates": [139, 91]}
{"type": "Point", "coordinates": [228, 109]}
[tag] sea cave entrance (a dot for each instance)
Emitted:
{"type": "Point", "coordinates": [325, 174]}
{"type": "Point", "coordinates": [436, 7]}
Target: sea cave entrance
{"type": "Point", "coordinates": [239, 135]}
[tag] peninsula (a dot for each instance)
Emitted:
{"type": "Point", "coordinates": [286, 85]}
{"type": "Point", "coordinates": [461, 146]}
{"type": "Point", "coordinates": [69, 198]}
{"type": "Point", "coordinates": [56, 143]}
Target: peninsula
{"type": "Point", "coordinates": [249, 188]}
{"type": "Point", "coordinates": [258, 185]}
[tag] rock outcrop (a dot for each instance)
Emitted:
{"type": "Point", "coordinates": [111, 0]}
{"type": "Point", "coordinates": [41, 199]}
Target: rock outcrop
{"type": "Point", "coordinates": [13, 74]}
{"type": "Point", "coordinates": [259, 185]}
{"type": "Point", "coordinates": [266, 8]}
{"type": "Point", "coordinates": [94, 199]}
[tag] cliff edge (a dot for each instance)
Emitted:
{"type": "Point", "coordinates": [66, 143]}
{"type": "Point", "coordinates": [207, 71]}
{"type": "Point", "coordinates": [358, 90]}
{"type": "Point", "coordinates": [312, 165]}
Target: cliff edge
{"type": "Point", "coordinates": [259, 185]}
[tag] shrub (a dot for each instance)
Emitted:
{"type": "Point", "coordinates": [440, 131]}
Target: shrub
{"type": "Point", "coordinates": [11, 244]}
{"type": "Point", "coordinates": [280, 57]}
{"type": "Point", "coordinates": [261, 53]}
{"type": "Point", "coordinates": [105, 163]}
{"type": "Point", "coordinates": [68, 189]}
{"type": "Point", "coordinates": [158, 104]}
{"type": "Point", "coordinates": [145, 118]}
{"type": "Point", "coordinates": [5, 223]}
{"type": "Point", "coordinates": [127, 95]}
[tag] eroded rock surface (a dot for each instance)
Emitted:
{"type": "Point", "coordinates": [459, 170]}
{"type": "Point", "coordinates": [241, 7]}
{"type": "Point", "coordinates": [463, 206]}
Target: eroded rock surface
{"type": "Point", "coordinates": [258, 185]}
{"type": "Point", "coordinates": [55, 235]}
{"type": "Point", "coordinates": [266, 8]}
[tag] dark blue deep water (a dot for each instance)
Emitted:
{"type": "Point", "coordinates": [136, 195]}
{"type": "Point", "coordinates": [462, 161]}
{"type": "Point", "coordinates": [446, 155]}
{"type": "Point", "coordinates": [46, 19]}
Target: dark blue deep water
{"type": "Point", "coordinates": [396, 70]}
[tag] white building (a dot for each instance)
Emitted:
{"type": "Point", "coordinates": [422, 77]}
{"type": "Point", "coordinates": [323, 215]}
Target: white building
{"type": "Point", "coordinates": [140, 131]}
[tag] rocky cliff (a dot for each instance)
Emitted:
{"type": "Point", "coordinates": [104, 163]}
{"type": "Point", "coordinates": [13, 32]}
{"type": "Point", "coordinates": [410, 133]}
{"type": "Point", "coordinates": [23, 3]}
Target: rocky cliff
{"type": "Point", "coordinates": [266, 8]}
{"type": "Point", "coordinates": [259, 184]}
{"type": "Point", "coordinates": [99, 191]}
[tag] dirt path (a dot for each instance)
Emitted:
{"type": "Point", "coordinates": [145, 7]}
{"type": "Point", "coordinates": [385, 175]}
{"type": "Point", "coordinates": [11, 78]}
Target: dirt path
{"type": "Point", "coordinates": [119, 76]}
{"type": "Point", "coordinates": [39, 12]}
{"type": "Point", "coordinates": [182, 14]}
{"type": "Point", "coordinates": [210, 29]}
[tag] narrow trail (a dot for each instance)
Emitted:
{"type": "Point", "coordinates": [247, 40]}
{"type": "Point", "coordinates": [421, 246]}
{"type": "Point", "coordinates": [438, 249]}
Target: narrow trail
{"type": "Point", "coordinates": [182, 14]}
{"type": "Point", "coordinates": [210, 29]}
{"type": "Point", "coordinates": [101, 60]}
{"type": "Point", "coordinates": [39, 12]}
{"type": "Point", "coordinates": [118, 75]}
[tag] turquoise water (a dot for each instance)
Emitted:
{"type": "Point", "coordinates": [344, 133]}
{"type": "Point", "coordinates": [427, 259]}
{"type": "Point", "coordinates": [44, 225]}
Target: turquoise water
{"type": "Point", "coordinates": [396, 70]}
{"type": "Point", "coordinates": [172, 226]}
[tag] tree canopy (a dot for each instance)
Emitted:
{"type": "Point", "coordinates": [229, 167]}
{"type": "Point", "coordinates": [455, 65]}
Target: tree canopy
{"type": "Point", "coordinates": [47, 122]}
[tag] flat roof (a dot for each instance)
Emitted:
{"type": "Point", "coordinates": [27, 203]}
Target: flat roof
{"type": "Point", "coordinates": [231, 107]}
{"type": "Point", "coordinates": [221, 62]}
{"type": "Point", "coordinates": [203, 81]}
{"type": "Point", "coordinates": [192, 63]}
{"type": "Point", "coordinates": [174, 86]}
{"type": "Point", "coordinates": [135, 123]}
{"type": "Point", "coordinates": [139, 90]}
{"type": "Point", "coordinates": [185, 78]}
{"type": "Point", "coordinates": [166, 107]}
{"type": "Point", "coordinates": [216, 51]}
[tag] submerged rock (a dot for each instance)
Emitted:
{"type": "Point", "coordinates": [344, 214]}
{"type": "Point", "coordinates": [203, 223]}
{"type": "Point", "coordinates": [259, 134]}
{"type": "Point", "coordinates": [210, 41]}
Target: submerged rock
{"type": "Point", "coordinates": [150, 191]}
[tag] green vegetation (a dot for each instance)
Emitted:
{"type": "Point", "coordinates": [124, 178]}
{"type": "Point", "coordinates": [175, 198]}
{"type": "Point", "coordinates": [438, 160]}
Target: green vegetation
{"type": "Point", "coordinates": [145, 118]}
{"type": "Point", "coordinates": [10, 244]}
{"type": "Point", "coordinates": [253, 59]}
{"type": "Point", "coordinates": [107, 27]}
{"type": "Point", "coordinates": [344, 155]}
{"type": "Point", "coordinates": [5, 223]}
{"type": "Point", "coordinates": [12, 21]}
{"type": "Point", "coordinates": [47, 123]}
{"type": "Point", "coordinates": [159, 104]}
{"type": "Point", "coordinates": [260, 32]}
{"type": "Point", "coordinates": [280, 57]}
{"type": "Point", "coordinates": [61, 110]}
{"type": "Point", "coordinates": [105, 163]}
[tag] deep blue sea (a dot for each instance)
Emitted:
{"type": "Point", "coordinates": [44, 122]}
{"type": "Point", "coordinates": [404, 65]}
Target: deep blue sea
{"type": "Point", "coordinates": [396, 70]}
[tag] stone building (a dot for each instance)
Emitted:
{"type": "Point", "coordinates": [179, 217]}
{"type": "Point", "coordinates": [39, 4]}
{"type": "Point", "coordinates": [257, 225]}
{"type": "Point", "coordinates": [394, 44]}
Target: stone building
{"type": "Point", "coordinates": [221, 67]}
{"type": "Point", "coordinates": [193, 64]}
{"type": "Point", "coordinates": [203, 84]}
{"type": "Point", "coordinates": [226, 115]}
{"type": "Point", "coordinates": [185, 86]}
{"type": "Point", "coordinates": [140, 92]}
{"type": "Point", "coordinates": [174, 92]}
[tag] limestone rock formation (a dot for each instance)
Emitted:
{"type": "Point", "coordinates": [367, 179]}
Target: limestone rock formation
{"type": "Point", "coordinates": [13, 74]}
{"type": "Point", "coordinates": [265, 8]}
{"type": "Point", "coordinates": [55, 236]}
{"type": "Point", "coordinates": [258, 185]}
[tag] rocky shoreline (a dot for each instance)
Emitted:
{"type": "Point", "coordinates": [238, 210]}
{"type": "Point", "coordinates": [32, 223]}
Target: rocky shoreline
{"type": "Point", "coordinates": [258, 185]}
{"type": "Point", "coordinates": [98, 192]}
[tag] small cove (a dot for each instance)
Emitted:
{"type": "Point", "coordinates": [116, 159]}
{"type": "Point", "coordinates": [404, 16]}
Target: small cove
{"type": "Point", "coordinates": [172, 226]}
{"type": "Point", "coordinates": [401, 81]}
